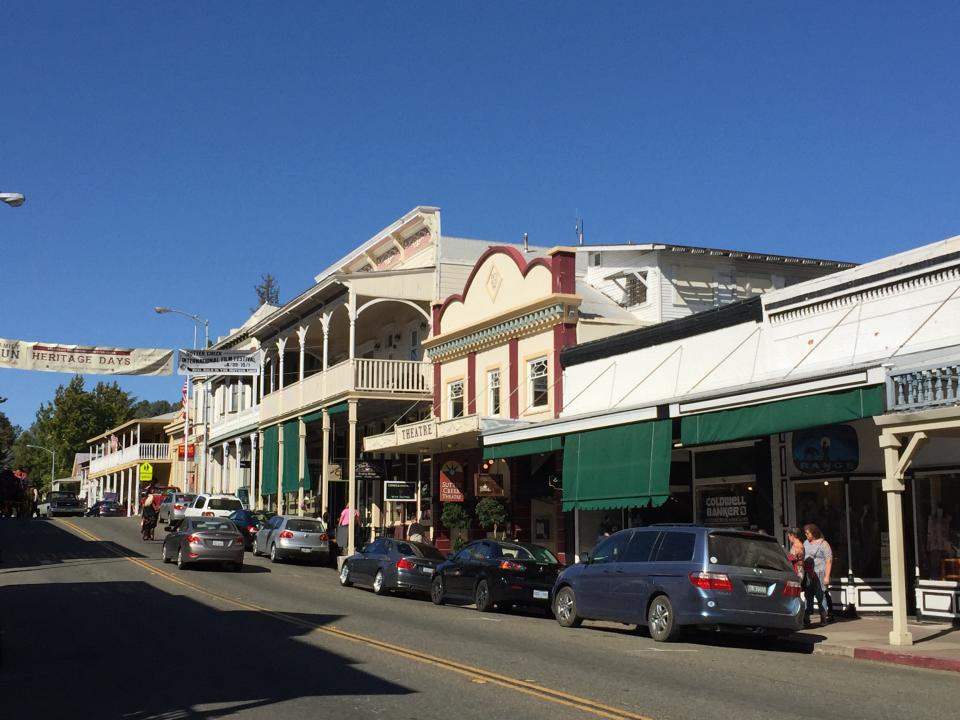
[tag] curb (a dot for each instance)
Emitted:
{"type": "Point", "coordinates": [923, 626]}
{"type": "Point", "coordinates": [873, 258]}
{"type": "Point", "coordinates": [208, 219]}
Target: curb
{"type": "Point", "coordinates": [921, 661]}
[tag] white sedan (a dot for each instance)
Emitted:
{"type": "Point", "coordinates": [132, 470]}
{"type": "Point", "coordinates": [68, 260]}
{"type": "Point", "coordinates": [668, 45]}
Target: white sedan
{"type": "Point", "coordinates": [213, 505]}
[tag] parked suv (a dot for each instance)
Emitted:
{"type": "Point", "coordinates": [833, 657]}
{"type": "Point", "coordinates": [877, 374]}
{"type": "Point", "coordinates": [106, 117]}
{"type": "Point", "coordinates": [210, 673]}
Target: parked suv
{"type": "Point", "coordinates": [173, 506]}
{"type": "Point", "coordinates": [672, 576]}
{"type": "Point", "coordinates": [212, 505]}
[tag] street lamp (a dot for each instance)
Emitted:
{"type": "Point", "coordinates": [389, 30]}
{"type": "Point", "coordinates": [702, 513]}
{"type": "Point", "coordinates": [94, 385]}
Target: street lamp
{"type": "Point", "coordinates": [160, 310]}
{"type": "Point", "coordinates": [53, 461]}
{"type": "Point", "coordinates": [12, 199]}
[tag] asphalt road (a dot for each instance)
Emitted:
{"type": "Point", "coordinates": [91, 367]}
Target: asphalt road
{"type": "Point", "coordinates": [93, 624]}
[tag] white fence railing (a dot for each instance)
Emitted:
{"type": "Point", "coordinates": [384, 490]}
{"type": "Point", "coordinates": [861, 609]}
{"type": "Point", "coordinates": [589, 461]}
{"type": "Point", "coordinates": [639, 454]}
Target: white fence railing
{"type": "Point", "coordinates": [393, 375]}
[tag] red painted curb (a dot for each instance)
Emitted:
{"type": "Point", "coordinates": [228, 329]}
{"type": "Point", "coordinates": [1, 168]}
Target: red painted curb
{"type": "Point", "coordinates": [921, 661]}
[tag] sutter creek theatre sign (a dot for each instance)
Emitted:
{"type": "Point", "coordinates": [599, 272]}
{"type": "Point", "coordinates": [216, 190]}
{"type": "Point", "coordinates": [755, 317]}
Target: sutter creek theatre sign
{"type": "Point", "coordinates": [417, 431]}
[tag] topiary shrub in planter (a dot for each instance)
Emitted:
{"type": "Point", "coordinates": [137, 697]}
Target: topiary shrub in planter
{"type": "Point", "coordinates": [455, 517]}
{"type": "Point", "coordinates": [491, 514]}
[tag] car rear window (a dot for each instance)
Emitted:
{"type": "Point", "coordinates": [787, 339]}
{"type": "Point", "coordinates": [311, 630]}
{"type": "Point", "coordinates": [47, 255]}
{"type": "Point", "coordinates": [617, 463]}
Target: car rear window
{"type": "Point", "coordinates": [528, 552]}
{"type": "Point", "coordinates": [747, 551]}
{"type": "Point", "coordinates": [427, 551]}
{"type": "Point", "coordinates": [225, 504]}
{"type": "Point", "coordinates": [215, 525]}
{"type": "Point", "coordinates": [676, 547]}
{"type": "Point", "coordinates": [307, 526]}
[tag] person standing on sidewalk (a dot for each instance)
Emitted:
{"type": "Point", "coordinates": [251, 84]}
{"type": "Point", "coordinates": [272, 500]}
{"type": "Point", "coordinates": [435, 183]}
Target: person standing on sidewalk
{"type": "Point", "coordinates": [817, 564]}
{"type": "Point", "coordinates": [795, 550]}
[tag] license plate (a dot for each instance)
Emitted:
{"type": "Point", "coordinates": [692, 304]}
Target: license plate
{"type": "Point", "coordinates": [306, 549]}
{"type": "Point", "coordinates": [541, 594]}
{"type": "Point", "coordinates": [427, 570]}
{"type": "Point", "coordinates": [219, 543]}
{"type": "Point", "coordinates": [756, 589]}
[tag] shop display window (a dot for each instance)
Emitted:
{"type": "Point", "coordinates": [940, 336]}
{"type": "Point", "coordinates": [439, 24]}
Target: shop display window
{"type": "Point", "coordinates": [823, 503]}
{"type": "Point", "coordinates": [869, 546]}
{"type": "Point", "coordinates": [937, 507]}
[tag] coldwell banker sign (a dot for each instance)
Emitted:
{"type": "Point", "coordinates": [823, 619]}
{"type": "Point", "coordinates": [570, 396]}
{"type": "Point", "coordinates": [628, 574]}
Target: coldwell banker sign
{"type": "Point", "coordinates": [724, 508]}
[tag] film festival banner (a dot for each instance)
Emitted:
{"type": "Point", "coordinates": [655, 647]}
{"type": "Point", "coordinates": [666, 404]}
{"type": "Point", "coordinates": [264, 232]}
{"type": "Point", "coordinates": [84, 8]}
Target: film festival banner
{"type": "Point", "coordinates": [84, 359]}
{"type": "Point", "coordinates": [219, 362]}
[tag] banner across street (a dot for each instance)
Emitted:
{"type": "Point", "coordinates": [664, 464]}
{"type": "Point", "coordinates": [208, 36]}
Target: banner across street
{"type": "Point", "coordinates": [84, 359]}
{"type": "Point", "coordinates": [219, 362]}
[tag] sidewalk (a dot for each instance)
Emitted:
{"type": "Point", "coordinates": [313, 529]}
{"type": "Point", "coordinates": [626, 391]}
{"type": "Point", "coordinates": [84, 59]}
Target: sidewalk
{"type": "Point", "coordinates": [936, 646]}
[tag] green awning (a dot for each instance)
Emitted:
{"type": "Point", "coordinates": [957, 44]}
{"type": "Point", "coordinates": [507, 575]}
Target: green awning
{"type": "Point", "coordinates": [338, 408]}
{"type": "Point", "coordinates": [617, 467]}
{"type": "Point", "coordinates": [313, 417]}
{"type": "Point", "coordinates": [523, 447]}
{"type": "Point", "coordinates": [269, 457]}
{"type": "Point", "coordinates": [782, 416]}
{"type": "Point", "coordinates": [291, 457]}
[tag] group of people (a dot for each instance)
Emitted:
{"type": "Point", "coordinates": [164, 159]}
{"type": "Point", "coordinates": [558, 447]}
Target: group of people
{"type": "Point", "coordinates": [812, 558]}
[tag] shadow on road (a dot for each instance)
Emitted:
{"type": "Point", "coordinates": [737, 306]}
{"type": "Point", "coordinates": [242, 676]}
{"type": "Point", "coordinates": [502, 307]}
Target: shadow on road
{"type": "Point", "coordinates": [130, 650]}
{"type": "Point", "coordinates": [39, 543]}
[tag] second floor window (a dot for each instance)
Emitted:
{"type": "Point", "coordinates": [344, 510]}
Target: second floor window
{"type": "Point", "coordinates": [455, 399]}
{"type": "Point", "coordinates": [493, 392]}
{"type": "Point", "coordinates": [537, 383]}
{"type": "Point", "coordinates": [235, 390]}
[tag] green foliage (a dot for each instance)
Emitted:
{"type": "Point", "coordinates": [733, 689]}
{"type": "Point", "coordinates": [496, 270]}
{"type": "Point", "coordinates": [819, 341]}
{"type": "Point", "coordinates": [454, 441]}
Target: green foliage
{"type": "Point", "coordinates": [147, 409]}
{"type": "Point", "coordinates": [455, 517]}
{"type": "Point", "coordinates": [491, 514]}
{"type": "Point", "coordinates": [8, 436]}
{"type": "Point", "coordinates": [267, 290]}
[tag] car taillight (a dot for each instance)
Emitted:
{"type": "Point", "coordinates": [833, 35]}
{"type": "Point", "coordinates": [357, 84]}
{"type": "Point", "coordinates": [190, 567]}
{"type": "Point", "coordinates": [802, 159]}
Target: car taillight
{"type": "Point", "coordinates": [252, 529]}
{"type": "Point", "coordinates": [510, 565]}
{"type": "Point", "coordinates": [193, 539]}
{"type": "Point", "coordinates": [324, 537]}
{"type": "Point", "coordinates": [286, 535]}
{"type": "Point", "coordinates": [791, 589]}
{"type": "Point", "coordinates": [404, 564]}
{"type": "Point", "coordinates": [711, 581]}
{"type": "Point", "coordinates": [238, 541]}
{"type": "Point", "coordinates": [178, 507]}
{"type": "Point", "coordinates": [206, 513]}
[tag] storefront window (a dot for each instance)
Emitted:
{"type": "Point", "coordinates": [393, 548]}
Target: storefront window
{"type": "Point", "coordinates": [869, 546]}
{"type": "Point", "coordinates": [937, 500]}
{"type": "Point", "coordinates": [823, 503]}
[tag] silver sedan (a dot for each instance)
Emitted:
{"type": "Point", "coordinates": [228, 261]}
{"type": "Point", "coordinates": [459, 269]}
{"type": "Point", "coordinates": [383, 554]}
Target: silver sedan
{"type": "Point", "coordinates": [202, 540]}
{"type": "Point", "coordinates": [290, 536]}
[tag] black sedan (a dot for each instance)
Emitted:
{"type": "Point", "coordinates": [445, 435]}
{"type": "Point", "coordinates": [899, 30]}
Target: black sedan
{"type": "Point", "coordinates": [105, 508]}
{"type": "Point", "coordinates": [249, 522]}
{"type": "Point", "coordinates": [391, 565]}
{"type": "Point", "coordinates": [497, 574]}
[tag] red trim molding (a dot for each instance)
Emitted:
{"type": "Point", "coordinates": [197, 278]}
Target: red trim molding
{"type": "Point", "coordinates": [472, 384]}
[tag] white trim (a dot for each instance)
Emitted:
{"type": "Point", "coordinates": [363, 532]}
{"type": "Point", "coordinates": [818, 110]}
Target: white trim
{"type": "Point", "coordinates": [858, 379]}
{"type": "Point", "coordinates": [570, 426]}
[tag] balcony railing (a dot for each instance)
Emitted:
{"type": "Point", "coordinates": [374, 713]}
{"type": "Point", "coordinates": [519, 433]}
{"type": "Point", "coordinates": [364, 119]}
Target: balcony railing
{"type": "Point", "coordinates": [919, 388]}
{"type": "Point", "coordinates": [150, 452]}
{"type": "Point", "coordinates": [400, 377]}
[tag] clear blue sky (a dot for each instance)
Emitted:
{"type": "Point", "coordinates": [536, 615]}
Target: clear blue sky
{"type": "Point", "coordinates": [172, 152]}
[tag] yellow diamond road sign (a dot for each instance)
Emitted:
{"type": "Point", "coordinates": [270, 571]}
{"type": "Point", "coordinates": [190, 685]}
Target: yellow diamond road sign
{"type": "Point", "coordinates": [146, 472]}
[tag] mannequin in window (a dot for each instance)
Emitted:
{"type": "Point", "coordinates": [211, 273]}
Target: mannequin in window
{"type": "Point", "coordinates": [938, 540]}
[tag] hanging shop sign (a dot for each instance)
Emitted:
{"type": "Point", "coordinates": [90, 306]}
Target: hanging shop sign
{"type": "Point", "coordinates": [191, 451]}
{"type": "Point", "coordinates": [219, 362]}
{"type": "Point", "coordinates": [489, 485]}
{"type": "Point", "coordinates": [367, 471]}
{"type": "Point", "coordinates": [84, 359]}
{"type": "Point", "coordinates": [451, 482]}
{"type": "Point", "coordinates": [826, 450]}
{"type": "Point", "coordinates": [398, 491]}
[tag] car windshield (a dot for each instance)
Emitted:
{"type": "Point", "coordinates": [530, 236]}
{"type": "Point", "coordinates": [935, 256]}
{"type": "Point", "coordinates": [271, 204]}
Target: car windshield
{"type": "Point", "coordinates": [214, 526]}
{"type": "Point", "coordinates": [110, 505]}
{"type": "Point", "coordinates": [225, 504]}
{"type": "Point", "coordinates": [307, 526]}
{"type": "Point", "coordinates": [60, 495]}
{"type": "Point", "coordinates": [747, 551]}
{"type": "Point", "coordinates": [422, 549]}
{"type": "Point", "coordinates": [528, 552]}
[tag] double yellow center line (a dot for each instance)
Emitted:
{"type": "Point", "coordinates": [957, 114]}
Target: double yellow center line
{"type": "Point", "coordinates": [474, 673]}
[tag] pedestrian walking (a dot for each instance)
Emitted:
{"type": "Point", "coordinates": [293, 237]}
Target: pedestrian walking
{"type": "Point", "coordinates": [817, 565]}
{"type": "Point", "coordinates": [343, 527]}
{"type": "Point", "coordinates": [795, 550]}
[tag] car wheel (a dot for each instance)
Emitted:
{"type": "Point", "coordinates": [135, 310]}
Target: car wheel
{"type": "Point", "coordinates": [565, 608]}
{"type": "Point", "coordinates": [481, 596]}
{"type": "Point", "coordinates": [436, 590]}
{"type": "Point", "coordinates": [378, 588]}
{"type": "Point", "coordinates": [273, 554]}
{"type": "Point", "coordinates": [180, 563]}
{"type": "Point", "coordinates": [345, 575]}
{"type": "Point", "coordinates": [661, 620]}
{"type": "Point", "coordinates": [253, 548]}
{"type": "Point", "coordinates": [163, 553]}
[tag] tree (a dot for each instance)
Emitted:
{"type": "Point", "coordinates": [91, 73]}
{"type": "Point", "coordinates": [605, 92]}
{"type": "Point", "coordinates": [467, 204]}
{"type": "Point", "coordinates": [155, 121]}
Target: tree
{"type": "Point", "coordinates": [267, 291]}
{"type": "Point", "coordinates": [455, 517]}
{"type": "Point", "coordinates": [8, 436]}
{"type": "Point", "coordinates": [147, 409]}
{"type": "Point", "coordinates": [491, 514]}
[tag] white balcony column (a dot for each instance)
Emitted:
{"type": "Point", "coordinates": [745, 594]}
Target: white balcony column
{"type": "Point", "coordinates": [352, 314]}
{"type": "Point", "coordinates": [133, 488]}
{"type": "Point", "coordinates": [302, 428]}
{"type": "Point", "coordinates": [224, 468]}
{"type": "Point", "coordinates": [280, 471]}
{"type": "Point", "coordinates": [208, 484]}
{"type": "Point", "coordinates": [352, 467]}
{"type": "Point", "coordinates": [254, 475]}
{"type": "Point", "coordinates": [236, 463]}
{"type": "Point", "coordinates": [325, 326]}
{"type": "Point", "coordinates": [325, 473]}
{"type": "Point", "coordinates": [122, 494]}
{"type": "Point", "coordinates": [261, 379]}
{"type": "Point", "coordinates": [893, 486]}
{"type": "Point", "coordinates": [281, 349]}
{"type": "Point", "coordinates": [302, 337]}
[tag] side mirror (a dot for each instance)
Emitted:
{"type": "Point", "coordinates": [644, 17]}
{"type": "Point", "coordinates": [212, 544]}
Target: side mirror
{"type": "Point", "coordinates": [585, 558]}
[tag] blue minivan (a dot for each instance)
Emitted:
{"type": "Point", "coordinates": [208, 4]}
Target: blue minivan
{"type": "Point", "coordinates": [667, 577]}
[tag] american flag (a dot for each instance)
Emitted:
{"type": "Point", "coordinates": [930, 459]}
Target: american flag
{"type": "Point", "coordinates": [184, 403]}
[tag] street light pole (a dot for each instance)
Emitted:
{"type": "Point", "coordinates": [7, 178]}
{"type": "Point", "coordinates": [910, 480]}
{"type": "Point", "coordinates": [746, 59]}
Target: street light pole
{"type": "Point", "coordinates": [161, 310]}
{"type": "Point", "coordinates": [53, 461]}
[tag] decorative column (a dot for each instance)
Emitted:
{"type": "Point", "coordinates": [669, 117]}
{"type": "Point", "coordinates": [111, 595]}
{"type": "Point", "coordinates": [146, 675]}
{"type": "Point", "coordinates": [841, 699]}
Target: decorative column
{"type": "Point", "coordinates": [352, 315]}
{"type": "Point", "coordinates": [302, 337]}
{"type": "Point", "coordinates": [280, 469]}
{"type": "Point", "coordinates": [325, 326]}
{"type": "Point", "coordinates": [303, 450]}
{"type": "Point", "coordinates": [208, 482]}
{"type": "Point", "coordinates": [263, 356]}
{"type": "Point", "coordinates": [224, 471]}
{"type": "Point", "coordinates": [122, 495]}
{"type": "Point", "coordinates": [237, 443]}
{"type": "Point", "coordinates": [352, 470]}
{"type": "Point", "coordinates": [325, 473]}
{"type": "Point", "coordinates": [281, 349]}
{"type": "Point", "coordinates": [254, 474]}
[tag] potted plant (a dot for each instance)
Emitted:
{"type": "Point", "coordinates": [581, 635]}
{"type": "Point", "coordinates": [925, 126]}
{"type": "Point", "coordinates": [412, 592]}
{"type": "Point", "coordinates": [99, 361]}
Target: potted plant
{"type": "Point", "coordinates": [491, 514]}
{"type": "Point", "coordinates": [457, 519]}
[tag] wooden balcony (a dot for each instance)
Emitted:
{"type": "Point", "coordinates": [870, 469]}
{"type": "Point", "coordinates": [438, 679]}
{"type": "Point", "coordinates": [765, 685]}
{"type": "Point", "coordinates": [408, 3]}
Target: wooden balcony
{"type": "Point", "coordinates": [141, 452]}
